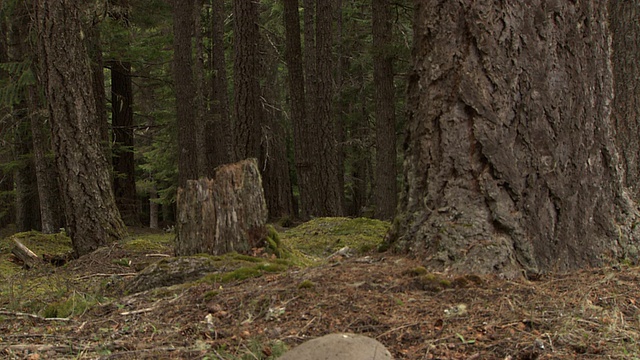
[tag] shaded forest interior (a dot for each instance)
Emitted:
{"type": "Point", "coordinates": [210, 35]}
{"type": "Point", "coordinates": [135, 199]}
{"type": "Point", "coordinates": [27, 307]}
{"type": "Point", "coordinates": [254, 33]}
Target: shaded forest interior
{"type": "Point", "coordinates": [181, 90]}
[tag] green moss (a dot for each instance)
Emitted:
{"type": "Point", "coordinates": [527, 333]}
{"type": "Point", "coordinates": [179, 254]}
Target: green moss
{"type": "Point", "coordinates": [417, 271]}
{"type": "Point", "coordinates": [148, 243]}
{"type": "Point", "coordinates": [75, 304]}
{"type": "Point", "coordinates": [241, 274]}
{"type": "Point", "coordinates": [306, 284]}
{"type": "Point", "coordinates": [323, 236]}
{"type": "Point", "coordinates": [209, 295]}
{"type": "Point", "coordinates": [432, 282]}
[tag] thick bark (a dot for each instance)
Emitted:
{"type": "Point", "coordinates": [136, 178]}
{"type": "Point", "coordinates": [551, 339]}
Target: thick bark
{"type": "Point", "coordinates": [92, 217]}
{"type": "Point", "coordinates": [185, 101]}
{"type": "Point", "coordinates": [124, 181]}
{"type": "Point", "coordinates": [273, 158]}
{"type": "Point", "coordinates": [51, 209]}
{"type": "Point", "coordinates": [510, 158]}
{"type": "Point", "coordinates": [97, 70]}
{"type": "Point", "coordinates": [218, 126]}
{"type": "Point", "coordinates": [247, 109]}
{"type": "Point", "coordinates": [199, 87]}
{"type": "Point", "coordinates": [386, 192]}
{"type": "Point", "coordinates": [324, 194]}
{"type": "Point", "coordinates": [625, 31]}
{"type": "Point", "coordinates": [223, 214]}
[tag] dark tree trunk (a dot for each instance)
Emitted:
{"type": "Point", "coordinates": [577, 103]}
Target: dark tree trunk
{"type": "Point", "coordinates": [319, 184]}
{"type": "Point", "coordinates": [386, 192]}
{"type": "Point", "coordinates": [48, 197]}
{"type": "Point", "coordinates": [299, 119]}
{"type": "Point", "coordinates": [510, 161]}
{"type": "Point", "coordinates": [625, 30]}
{"type": "Point", "coordinates": [185, 102]}
{"type": "Point", "coordinates": [97, 70]}
{"type": "Point", "coordinates": [273, 159]}
{"type": "Point", "coordinates": [247, 109]}
{"type": "Point", "coordinates": [218, 126]}
{"type": "Point", "coordinates": [223, 214]}
{"type": "Point", "coordinates": [7, 199]}
{"type": "Point", "coordinates": [329, 192]}
{"type": "Point", "coordinates": [51, 209]}
{"type": "Point", "coordinates": [124, 181]}
{"type": "Point", "coordinates": [26, 186]}
{"type": "Point", "coordinates": [199, 87]}
{"type": "Point", "coordinates": [92, 217]}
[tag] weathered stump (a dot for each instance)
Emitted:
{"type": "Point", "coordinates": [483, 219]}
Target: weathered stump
{"type": "Point", "coordinates": [224, 214]}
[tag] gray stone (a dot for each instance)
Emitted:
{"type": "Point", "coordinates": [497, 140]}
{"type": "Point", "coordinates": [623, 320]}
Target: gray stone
{"type": "Point", "coordinates": [339, 347]}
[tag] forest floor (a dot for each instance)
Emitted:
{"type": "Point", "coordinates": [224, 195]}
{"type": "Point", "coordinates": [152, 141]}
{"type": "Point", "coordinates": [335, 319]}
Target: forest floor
{"type": "Point", "coordinates": [76, 312]}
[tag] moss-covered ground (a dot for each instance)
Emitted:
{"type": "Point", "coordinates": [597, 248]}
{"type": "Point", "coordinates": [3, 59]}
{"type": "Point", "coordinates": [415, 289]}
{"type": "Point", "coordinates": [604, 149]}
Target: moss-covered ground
{"type": "Point", "coordinates": [299, 286]}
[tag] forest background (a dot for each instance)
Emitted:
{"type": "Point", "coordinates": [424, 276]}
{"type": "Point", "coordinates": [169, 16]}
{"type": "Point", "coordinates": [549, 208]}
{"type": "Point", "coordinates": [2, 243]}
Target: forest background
{"type": "Point", "coordinates": [229, 96]}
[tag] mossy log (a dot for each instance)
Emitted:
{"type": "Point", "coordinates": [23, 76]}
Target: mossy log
{"type": "Point", "coordinates": [224, 214]}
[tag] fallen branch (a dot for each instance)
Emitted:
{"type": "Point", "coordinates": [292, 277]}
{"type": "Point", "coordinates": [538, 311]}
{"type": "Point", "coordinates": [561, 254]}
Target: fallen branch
{"type": "Point", "coordinates": [104, 275]}
{"type": "Point", "coordinates": [21, 314]}
{"type": "Point", "coordinates": [137, 311]}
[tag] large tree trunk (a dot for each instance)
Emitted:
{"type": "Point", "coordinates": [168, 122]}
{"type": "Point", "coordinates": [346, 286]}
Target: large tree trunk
{"type": "Point", "coordinates": [218, 126]}
{"type": "Point", "coordinates": [386, 190]}
{"type": "Point", "coordinates": [625, 30]}
{"type": "Point", "coordinates": [273, 154]}
{"type": "Point", "coordinates": [247, 110]}
{"type": "Point", "coordinates": [91, 213]}
{"type": "Point", "coordinates": [510, 159]}
{"type": "Point", "coordinates": [185, 101]}
{"type": "Point", "coordinates": [124, 182]}
{"type": "Point", "coordinates": [223, 214]}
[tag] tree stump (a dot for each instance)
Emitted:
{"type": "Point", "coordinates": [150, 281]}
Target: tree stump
{"type": "Point", "coordinates": [224, 214]}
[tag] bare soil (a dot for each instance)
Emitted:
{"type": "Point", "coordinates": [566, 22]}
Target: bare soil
{"type": "Point", "coordinates": [589, 314]}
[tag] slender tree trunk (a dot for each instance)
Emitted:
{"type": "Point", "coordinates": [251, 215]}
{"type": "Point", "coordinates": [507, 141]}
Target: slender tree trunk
{"type": "Point", "coordinates": [26, 186]}
{"type": "Point", "coordinates": [329, 193]}
{"type": "Point", "coordinates": [124, 183]}
{"type": "Point", "coordinates": [154, 207]}
{"type": "Point", "coordinates": [91, 213]}
{"type": "Point", "coordinates": [273, 161]}
{"type": "Point", "coordinates": [185, 101]}
{"type": "Point", "coordinates": [7, 199]}
{"type": "Point", "coordinates": [219, 126]}
{"type": "Point", "coordinates": [510, 160]}
{"type": "Point", "coordinates": [625, 29]}
{"type": "Point", "coordinates": [340, 105]}
{"type": "Point", "coordinates": [299, 119]}
{"type": "Point", "coordinates": [247, 110]}
{"type": "Point", "coordinates": [386, 192]}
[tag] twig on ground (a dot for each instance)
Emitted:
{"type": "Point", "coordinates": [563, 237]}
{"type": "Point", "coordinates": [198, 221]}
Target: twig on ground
{"type": "Point", "coordinates": [21, 314]}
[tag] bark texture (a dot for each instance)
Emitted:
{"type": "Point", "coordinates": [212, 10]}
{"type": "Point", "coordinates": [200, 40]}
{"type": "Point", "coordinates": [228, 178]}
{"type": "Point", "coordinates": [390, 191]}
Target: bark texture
{"type": "Point", "coordinates": [386, 189]}
{"type": "Point", "coordinates": [223, 214]}
{"type": "Point", "coordinates": [510, 159]}
{"type": "Point", "coordinates": [247, 110]}
{"type": "Point", "coordinates": [91, 213]}
{"type": "Point", "coordinates": [185, 91]}
{"type": "Point", "coordinates": [218, 126]}
{"type": "Point", "coordinates": [625, 29]}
